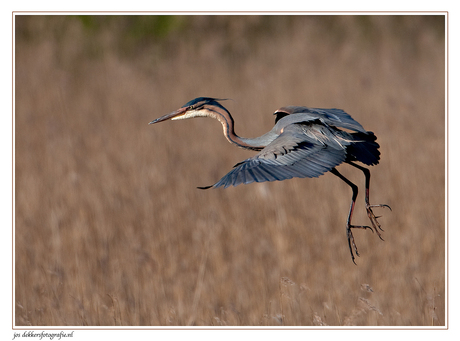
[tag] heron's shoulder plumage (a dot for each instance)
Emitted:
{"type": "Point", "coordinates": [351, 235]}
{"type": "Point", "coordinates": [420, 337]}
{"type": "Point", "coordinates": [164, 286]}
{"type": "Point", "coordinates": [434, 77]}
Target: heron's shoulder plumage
{"type": "Point", "coordinates": [333, 117]}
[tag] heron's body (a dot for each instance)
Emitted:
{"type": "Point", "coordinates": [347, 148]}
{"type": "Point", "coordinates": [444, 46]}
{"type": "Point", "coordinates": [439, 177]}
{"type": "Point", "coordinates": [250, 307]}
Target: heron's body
{"type": "Point", "coordinates": [305, 142]}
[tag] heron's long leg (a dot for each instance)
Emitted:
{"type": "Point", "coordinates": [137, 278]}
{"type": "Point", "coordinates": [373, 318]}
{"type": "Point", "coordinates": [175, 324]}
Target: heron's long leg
{"type": "Point", "coordinates": [370, 213]}
{"type": "Point", "coordinates": [351, 239]}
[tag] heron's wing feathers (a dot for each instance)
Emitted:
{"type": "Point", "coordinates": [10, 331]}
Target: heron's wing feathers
{"type": "Point", "coordinates": [292, 154]}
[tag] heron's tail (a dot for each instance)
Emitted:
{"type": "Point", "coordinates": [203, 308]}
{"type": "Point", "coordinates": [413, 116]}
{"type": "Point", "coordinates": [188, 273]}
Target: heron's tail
{"type": "Point", "coordinates": [364, 149]}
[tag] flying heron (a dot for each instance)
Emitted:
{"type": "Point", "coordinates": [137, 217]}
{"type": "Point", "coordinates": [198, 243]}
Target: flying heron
{"type": "Point", "coordinates": [304, 143]}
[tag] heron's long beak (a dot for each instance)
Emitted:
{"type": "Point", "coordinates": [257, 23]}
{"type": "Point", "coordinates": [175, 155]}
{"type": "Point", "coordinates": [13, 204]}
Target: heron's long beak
{"type": "Point", "coordinates": [170, 115]}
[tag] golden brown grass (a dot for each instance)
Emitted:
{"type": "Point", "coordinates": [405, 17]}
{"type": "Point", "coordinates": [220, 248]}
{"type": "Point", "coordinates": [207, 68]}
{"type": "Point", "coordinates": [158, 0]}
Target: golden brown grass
{"type": "Point", "coordinates": [111, 230]}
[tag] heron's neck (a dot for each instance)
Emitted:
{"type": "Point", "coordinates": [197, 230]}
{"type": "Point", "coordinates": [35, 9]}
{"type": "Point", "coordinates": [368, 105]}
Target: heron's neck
{"type": "Point", "coordinates": [226, 120]}
{"type": "Point", "coordinates": [256, 143]}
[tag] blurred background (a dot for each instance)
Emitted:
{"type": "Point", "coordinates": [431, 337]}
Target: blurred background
{"type": "Point", "coordinates": [110, 229]}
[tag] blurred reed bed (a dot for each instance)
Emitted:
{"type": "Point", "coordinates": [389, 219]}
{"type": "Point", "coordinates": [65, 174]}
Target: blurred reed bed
{"type": "Point", "coordinates": [110, 228]}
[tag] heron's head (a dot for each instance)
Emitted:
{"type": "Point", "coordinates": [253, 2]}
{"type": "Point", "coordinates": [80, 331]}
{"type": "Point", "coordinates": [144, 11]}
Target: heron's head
{"type": "Point", "coordinates": [198, 107]}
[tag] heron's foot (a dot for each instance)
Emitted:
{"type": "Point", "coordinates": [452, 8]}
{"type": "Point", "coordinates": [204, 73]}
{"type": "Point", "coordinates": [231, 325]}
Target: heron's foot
{"type": "Point", "coordinates": [351, 239]}
{"type": "Point", "coordinates": [373, 218]}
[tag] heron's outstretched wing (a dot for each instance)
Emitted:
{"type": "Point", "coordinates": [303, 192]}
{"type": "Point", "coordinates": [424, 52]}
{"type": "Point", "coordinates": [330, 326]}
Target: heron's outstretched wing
{"type": "Point", "coordinates": [292, 154]}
